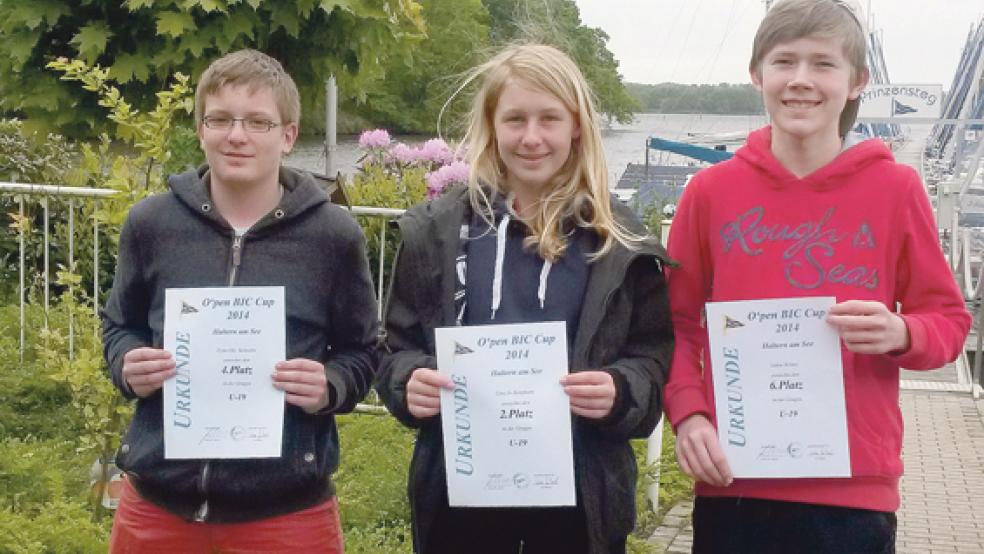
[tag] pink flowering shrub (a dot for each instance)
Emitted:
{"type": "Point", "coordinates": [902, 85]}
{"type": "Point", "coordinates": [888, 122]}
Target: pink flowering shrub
{"type": "Point", "coordinates": [393, 174]}
{"type": "Point", "coordinates": [397, 175]}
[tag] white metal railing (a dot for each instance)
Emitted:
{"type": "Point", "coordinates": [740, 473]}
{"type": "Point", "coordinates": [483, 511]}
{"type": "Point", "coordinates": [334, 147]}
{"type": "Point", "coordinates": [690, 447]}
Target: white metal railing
{"type": "Point", "coordinates": [388, 213]}
{"type": "Point", "coordinates": [44, 193]}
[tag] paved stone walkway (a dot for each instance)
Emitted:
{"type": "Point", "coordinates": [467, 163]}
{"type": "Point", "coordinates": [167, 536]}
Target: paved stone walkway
{"type": "Point", "coordinates": [943, 487]}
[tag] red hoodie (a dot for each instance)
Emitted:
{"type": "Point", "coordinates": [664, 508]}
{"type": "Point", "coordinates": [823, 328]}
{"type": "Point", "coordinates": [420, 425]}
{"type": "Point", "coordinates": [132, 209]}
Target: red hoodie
{"type": "Point", "coordinates": [860, 227]}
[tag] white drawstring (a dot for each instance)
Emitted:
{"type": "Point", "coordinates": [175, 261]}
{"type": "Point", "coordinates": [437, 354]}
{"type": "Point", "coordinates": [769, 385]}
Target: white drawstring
{"type": "Point", "coordinates": [541, 291]}
{"type": "Point", "coordinates": [500, 254]}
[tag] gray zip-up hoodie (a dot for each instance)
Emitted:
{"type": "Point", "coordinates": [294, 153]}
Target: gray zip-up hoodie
{"type": "Point", "coordinates": [624, 328]}
{"type": "Point", "coordinates": [306, 244]}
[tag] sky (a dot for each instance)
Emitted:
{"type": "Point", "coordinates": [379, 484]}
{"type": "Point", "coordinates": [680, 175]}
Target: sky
{"type": "Point", "coordinates": [710, 41]}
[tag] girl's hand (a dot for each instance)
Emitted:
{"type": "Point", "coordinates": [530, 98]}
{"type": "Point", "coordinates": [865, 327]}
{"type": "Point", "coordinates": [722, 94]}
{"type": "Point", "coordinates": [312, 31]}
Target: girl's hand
{"type": "Point", "coordinates": [304, 382]}
{"type": "Point", "coordinates": [592, 393]}
{"type": "Point", "coordinates": [699, 453]}
{"type": "Point", "coordinates": [424, 392]}
{"type": "Point", "coordinates": [868, 327]}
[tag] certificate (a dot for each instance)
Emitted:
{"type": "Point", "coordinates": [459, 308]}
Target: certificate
{"type": "Point", "coordinates": [507, 422]}
{"type": "Point", "coordinates": [779, 388]}
{"type": "Point", "coordinates": [225, 342]}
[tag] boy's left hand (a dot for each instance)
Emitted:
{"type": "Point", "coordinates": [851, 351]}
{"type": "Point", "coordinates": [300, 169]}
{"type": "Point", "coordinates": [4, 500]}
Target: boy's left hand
{"type": "Point", "coordinates": [592, 393]}
{"type": "Point", "coordinates": [304, 383]}
{"type": "Point", "coordinates": [868, 327]}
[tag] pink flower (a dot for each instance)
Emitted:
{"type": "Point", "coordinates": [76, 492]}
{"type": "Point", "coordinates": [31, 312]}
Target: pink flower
{"type": "Point", "coordinates": [375, 138]}
{"type": "Point", "coordinates": [456, 172]}
{"type": "Point", "coordinates": [401, 153]}
{"type": "Point", "coordinates": [435, 151]}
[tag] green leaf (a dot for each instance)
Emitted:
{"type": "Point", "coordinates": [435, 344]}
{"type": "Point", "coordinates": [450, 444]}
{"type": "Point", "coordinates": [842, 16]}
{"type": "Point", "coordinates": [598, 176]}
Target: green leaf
{"type": "Point", "coordinates": [134, 5]}
{"type": "Point", "coordinates": [51, 10]}
{"type": "Point", "coordinates": [129, 67]}
{"type": "Point", "coordinates": [194, 43]}
{"type": "Point", "coordinates": [174, 24]}
{"type": "Point", "coordinates": [91, 40]}
{"type": "Point", "coordinates": [23, 14]}
{"type": "Point", "coordinates": [238, 23]}
{"type": "Point", "coordinates": [17, 16]}
{"type": "Point", "coordinates": [329, 5]}
{"type": "Point", "coordinates": [20, 46]}
{"type": "Point", "coordinates": [305, 7]}
{"type": "Point", "coordinates": [208, 6]}
{"type": "Point", "coordinates": [284, 16]}
{"type": "Point", "coordinates": [167, 57]}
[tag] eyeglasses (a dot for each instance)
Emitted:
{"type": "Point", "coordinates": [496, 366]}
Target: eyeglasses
{"type": "Point", "coordinates": [250, 124]}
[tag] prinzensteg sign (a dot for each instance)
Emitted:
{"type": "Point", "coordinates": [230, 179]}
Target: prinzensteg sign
{"type": "Point", "coordinates": [901, 101]}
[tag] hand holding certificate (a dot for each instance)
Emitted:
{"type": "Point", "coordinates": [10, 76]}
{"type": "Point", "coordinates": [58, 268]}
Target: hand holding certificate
{"type": "Point", "coordinates": [779, 388]}
{"type": "Point", "coordinates": [225, 341]}
{"type": "Point", "coordinates": [507, 421]}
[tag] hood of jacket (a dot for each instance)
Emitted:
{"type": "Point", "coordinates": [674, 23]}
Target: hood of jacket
{"type": "Point", "coordinates": [757, 152]}
{"type": "Point", "coordinates": [301, 193]}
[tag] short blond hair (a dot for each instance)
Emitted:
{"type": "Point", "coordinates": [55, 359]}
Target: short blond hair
{"type": "Point", "coordinates": [252, 69]}
{"type": "Point", "coordinates": [579, 191]}
{"type": "Point", "coordinates": [789, 20]}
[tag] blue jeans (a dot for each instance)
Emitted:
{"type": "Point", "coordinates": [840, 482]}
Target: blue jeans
{"type": "Point", "coordinates": [754, 526]}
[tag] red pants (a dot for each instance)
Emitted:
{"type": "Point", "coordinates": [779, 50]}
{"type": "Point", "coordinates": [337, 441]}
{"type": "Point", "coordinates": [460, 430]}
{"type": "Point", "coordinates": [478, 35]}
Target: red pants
{"type": "Point", "coordinates": [141, 527]}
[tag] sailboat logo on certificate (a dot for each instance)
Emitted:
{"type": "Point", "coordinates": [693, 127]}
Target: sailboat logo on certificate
{"type": "Point", "coordinates": [461, 349]}
{"type": "Point", "coordinates": [731, 323]}
{"type": "Point", "coordinates": [187, 308]}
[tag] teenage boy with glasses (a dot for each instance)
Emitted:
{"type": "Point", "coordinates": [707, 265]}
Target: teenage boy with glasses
{"type": "Point", "coordinates": [241, 220]}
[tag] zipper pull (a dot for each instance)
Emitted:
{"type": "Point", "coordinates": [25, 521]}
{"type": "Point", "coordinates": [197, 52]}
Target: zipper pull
{"type": "Point", "coordinates": [237, 248]}
{"type": "Point", "coordinates": [237, 251]}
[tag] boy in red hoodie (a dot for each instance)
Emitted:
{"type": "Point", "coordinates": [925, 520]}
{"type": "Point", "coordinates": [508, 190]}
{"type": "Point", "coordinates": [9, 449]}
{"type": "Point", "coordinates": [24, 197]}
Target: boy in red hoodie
{"type": "Point", "coordinates": [805, 210]}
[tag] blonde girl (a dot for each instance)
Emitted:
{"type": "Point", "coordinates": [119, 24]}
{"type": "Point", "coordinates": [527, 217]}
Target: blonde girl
{"type": "Point", "coordinates": [537, 204]}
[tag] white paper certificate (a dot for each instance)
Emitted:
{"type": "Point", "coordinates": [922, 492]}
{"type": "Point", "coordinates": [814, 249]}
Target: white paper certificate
{"type": "Point", "coordinates": [779, 388]}
{"type": "Point", "coordinates": [225, 342]}
{"type": "Point", "coordinates": [507, 423]}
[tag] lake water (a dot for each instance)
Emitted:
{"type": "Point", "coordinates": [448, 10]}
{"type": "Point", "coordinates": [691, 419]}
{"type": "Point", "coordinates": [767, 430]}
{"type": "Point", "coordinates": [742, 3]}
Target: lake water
{"type": "Point", "coordinates": [623, 143]}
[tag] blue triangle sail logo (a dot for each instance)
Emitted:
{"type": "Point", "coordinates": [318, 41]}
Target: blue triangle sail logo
{"type": "Point", "coordinates": [898, 108]}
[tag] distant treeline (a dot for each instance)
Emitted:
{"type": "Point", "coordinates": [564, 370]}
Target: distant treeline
{"type": "Point", "coordinates": [724, 98]}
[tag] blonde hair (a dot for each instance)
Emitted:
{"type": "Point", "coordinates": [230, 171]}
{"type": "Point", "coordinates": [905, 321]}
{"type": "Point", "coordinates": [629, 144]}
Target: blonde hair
{"type": "Point", "coordinates": [794, 19]}
{"type": "Point", "coordinates": [252, 69]}
{"type": "Point", "coordinates": [579, 191]}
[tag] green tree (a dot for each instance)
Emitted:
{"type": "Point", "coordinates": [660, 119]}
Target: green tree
{"type": "Point", "coordinates": [558, 22]}
{"type": "Point", "coordinates": [143, 42]}
{"type": "Point", "coordinates": [723, 98]}
{"type": "Point", "coordinates": [409, 96]}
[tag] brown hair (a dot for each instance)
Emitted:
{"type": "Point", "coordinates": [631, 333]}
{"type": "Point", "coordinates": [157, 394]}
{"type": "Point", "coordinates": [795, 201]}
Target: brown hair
{"type": "Point", "coordinates": [794, 19]}
{"type": "Point", "coordinates": [253, 69]}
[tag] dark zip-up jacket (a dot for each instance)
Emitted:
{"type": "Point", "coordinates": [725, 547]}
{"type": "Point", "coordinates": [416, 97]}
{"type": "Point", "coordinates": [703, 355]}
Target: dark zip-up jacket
{"type": "Point", "coordinates": [306, 244]}
{"type": "Point", "coordinates": [624, 328]}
